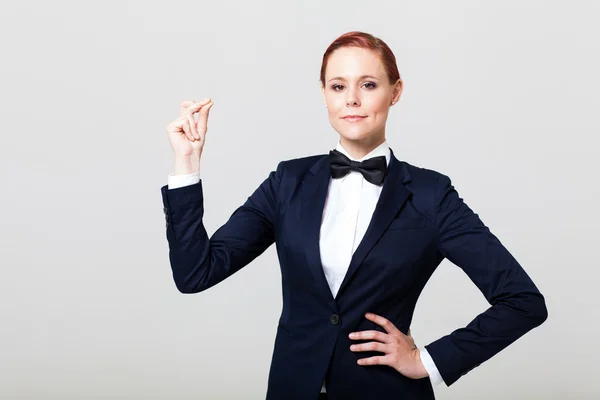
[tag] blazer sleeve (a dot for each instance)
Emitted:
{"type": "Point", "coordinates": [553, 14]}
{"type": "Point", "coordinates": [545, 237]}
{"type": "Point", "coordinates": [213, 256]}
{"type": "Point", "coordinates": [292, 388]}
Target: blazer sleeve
{"type": "Point", "coordinates": [199, 262]}
{"type": "Point", "coordinates": [517, 306]}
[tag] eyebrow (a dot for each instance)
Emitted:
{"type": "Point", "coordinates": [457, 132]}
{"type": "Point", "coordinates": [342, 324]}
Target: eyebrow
{"type": "Point", "coordinates": [361, 77]}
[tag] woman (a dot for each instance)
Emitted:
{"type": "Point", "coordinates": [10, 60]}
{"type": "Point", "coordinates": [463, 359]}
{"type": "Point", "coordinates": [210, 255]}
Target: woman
{"type": "Point", "coordinates": [358, 234]}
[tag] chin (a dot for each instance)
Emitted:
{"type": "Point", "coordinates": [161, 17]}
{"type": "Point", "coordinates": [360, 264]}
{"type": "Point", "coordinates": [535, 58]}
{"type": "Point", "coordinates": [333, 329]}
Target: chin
{"type": "Point", "coordinates": [355, 135]}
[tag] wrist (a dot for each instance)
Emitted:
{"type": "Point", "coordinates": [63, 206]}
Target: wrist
{"type": "Point", "coordinates": [423, 373]}
{"type": "Point", "coordinates": [187, 164]}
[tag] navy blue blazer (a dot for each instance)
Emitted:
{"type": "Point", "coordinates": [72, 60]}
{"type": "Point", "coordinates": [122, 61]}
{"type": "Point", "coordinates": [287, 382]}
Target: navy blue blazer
{"type": "Point", "coordinates": [419, 220]}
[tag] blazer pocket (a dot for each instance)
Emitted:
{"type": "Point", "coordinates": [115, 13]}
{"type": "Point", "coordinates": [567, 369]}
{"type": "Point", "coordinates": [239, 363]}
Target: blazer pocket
{"type": "Point", "coordinates": [408, 223]}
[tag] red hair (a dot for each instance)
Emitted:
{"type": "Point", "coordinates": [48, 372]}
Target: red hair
{"type": "Point", "coordinates": [365, 41]}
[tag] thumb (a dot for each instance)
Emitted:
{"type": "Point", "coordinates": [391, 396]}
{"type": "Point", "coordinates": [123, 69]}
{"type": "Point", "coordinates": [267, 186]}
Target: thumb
{"type": "Point", "coordinates": [411, 339]}
{"type": "Point", "coordinates": [202, 123]}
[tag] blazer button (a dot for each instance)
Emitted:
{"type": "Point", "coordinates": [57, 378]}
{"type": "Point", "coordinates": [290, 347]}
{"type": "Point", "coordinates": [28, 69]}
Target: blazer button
{"type": "Point", "coordinates": [334, 319]}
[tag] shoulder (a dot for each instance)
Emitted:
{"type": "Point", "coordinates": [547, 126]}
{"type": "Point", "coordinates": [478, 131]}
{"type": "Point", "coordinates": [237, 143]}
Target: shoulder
{"type": "Point", "coordinates": [299, 166]}
{"type": "Point", "coordinates": [423, 178]}
{"type": "Point", "coordinates": [429, 187]}
{"type": "Point", "coordinates": [302, 163]}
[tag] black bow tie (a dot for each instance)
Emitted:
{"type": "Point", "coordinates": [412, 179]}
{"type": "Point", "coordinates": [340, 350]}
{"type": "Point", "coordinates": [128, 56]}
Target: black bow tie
{"type": "Point", "coordinates": [374, 169]}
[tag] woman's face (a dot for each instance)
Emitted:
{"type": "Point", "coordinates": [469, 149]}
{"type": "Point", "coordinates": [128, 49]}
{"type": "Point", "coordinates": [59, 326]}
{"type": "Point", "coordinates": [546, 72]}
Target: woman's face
{"type": "Point", "coordinates": [356, 83]}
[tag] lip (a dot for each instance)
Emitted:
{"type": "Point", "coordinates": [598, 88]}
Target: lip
{"type": "Point", "coordinates": [354, 117]}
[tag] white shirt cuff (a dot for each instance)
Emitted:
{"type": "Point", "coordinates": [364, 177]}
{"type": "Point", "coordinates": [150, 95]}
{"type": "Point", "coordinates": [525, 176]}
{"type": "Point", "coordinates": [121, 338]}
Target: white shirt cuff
{"type": "Point", "coordinates": [427, 361]}
{"type": "Point", "coordinates": [177, 181]}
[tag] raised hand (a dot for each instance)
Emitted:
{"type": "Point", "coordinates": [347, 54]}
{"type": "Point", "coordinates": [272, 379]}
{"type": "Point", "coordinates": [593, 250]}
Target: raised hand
{"type": "Point", "coordinates": [187, 137]}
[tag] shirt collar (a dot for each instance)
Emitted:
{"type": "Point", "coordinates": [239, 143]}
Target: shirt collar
{"type": "Point", "coordinates": [382, 150]}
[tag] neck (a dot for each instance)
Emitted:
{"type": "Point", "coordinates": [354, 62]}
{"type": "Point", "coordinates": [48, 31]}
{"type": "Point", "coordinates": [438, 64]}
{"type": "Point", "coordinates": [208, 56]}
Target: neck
{"type": "Point", "coordinates": [360, 148]}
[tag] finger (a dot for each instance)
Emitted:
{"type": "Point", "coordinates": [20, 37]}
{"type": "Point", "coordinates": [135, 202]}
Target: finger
{"type": "Point", "coordinates": [176, 125]}
{"type": "Point", "coordinates": [186, 103]}
{"type": "Point", "coordinates": [203, 110]}
{"type": "Point", "coordinates": [375, 360]}
{"type": "Point", "coordinates": [189, 114]}
{"type": "Point", "coordinates": [383, 322]}
{"type": "Point", "coordinates": [188, 131]}
{"type": "Point", "coordinates": [376, 335]}
{"type": "Point", "coordinates": [202, 124]}
{"type": "Point", "coordinates": [192, 124]}
{"type": "Point", "coordinates": [371, 346]}
{"type": "Point", "coordinates": [173, 126]}
{"type": "Point", "coordinates": [193, 108]}
{"type": "Point", "coordinates": [206, 110]}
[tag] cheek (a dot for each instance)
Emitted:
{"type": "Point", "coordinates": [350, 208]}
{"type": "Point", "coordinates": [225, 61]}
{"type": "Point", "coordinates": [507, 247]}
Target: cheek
{"type": "Point", "coordinates": [380, 111]}
{"type": "Point", "coordinates": [334, 108]}
{"type": "Point", "coordinates": [379, 106]}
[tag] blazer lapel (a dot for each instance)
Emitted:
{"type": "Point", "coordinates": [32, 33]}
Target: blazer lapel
{"type": "Point", "coordinates": [313, 196]}
{"type": "Point", "coordinates": [393, 196]}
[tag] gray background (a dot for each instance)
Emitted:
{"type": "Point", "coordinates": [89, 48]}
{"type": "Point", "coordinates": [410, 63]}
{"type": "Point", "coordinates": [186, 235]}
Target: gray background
{"type": "Point", "coordinates": [501, 96]}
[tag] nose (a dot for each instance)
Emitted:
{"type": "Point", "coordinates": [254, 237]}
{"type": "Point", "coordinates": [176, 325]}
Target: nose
{"type": "Point", "coordinates": [352, 99]}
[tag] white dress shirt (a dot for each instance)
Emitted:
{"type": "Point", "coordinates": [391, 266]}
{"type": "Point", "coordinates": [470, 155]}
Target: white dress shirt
{"type": "Point", "coordinates": [349, 206]}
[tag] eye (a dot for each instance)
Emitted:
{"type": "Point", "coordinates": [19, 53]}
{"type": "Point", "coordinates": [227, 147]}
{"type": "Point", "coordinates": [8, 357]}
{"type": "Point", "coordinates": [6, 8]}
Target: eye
{"type": "Point", "coordinates": [373, 85]}
{"type": "Point", "coordinates": [368, 85]}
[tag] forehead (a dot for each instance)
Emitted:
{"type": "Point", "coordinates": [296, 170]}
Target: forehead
{"type": "Point", "coordinates": [351, 62]}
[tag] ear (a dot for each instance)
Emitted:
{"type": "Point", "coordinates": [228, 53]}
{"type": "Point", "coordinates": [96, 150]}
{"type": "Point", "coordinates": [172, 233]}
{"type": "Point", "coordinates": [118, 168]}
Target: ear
{"type": "Point", "coordinates": [397, 91]}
